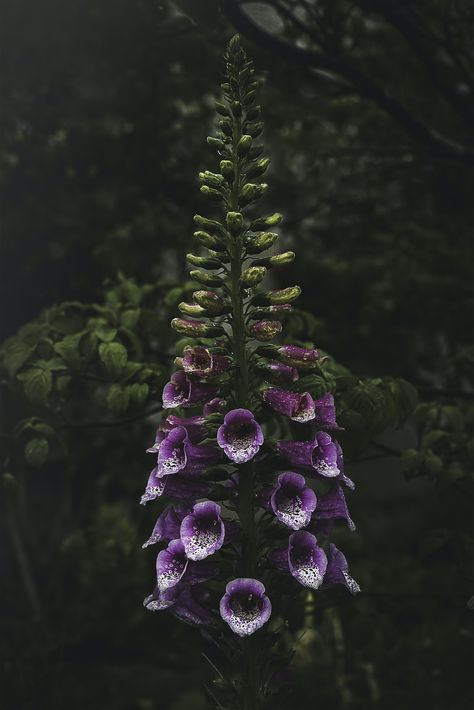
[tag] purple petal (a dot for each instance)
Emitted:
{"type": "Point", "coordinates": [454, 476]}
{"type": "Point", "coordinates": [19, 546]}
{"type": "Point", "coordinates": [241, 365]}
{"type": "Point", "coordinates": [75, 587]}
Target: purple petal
{"type": "Point", "coordinates": [292, 354]}
{"type": "Point", "coordinates": [292, 500]}
{"type": "Point", "coordinates": [297, 406]}
{"type": "Point", "coordinates": [325, 412]}
{"type": "Point", "coordinates": [245, 606]}
{"type": "Point", "coordinates": [240, 435]}
{"type": "Point", "coordinates": [160, 600]}
{"type": "Point", "coordinates": [333, 505]}
{"type": "Point", "coordinates": [167, 525]}
{"type": "Point", "coordinates": [187, 609]}
{"type": "Point", "coordinates": [297, 453]}
{"type": "Point", "coordinates": [202, 531]}
{"type": "Point", "coordinates": [172, 456]}
{"type": "Point", "coordinates": [171, 565]}
{"type": "Point", "coordinates": [337, 573]}
{"type": "Point", "coordinates": [176, 392]}
{"type": "Point", "coordinates": [215, 405]}
{"type": "Point", "coordinates": [279, 558]}
{"type": "Point", "coordinates": [282, 372]}
{"type": "Point", "coordinates": [154, 488]}
{"type": "Point", "coordinates": [201, 362]}
{"type": "Point", "coordinates": [195, 426]}
{"type": "Point", "coordinates": [325, 455]}
{"type": "Point", "coordinates": [307, 561]}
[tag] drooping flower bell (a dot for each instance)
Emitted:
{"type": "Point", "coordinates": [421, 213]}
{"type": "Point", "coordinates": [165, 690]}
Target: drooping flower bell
{"type": "Point", "coordinates": [202, 532]}
{"type": "Point", "coordinates": [177, 453]}
{"type": "Point", "coordinates": [181, 391]}
{"type": "Point", "coordinates": [245, 606]}
{"type": "Point", "coordinates": [292, 501]}
{"type": "Point", "coordinates": [297, 406]}
{"type": "Point", "coordinates": [240, 436]}
{"type": "Point", "coordinates": [319, 455]}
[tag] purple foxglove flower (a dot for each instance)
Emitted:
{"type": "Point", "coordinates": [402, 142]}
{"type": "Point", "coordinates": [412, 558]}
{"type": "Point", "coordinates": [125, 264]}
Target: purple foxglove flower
{"type": "Point", "coordinates": [202, 531]}
{"type": "Point", "coordinates": [333, 505]}
{"type": "Point", "coordinates": [216, 405]}
{"type": "Point", "coordinates": [172, 566]}
{"type": "Point", "coordinates": [168, 524]}
{"type": "Point", "coordinates": [292, 501]}
{"type": "Point", "coordinates": [320, 455]}
{"type": "Point", "coordinates": [297, 406]}
{"type": "Point", "coordinates": [201, 362]}
{"type": "Point", "coordinates": [240, 435]}
{"type": "Point", "coordinates": [177, 453]}
{"type": "Point", "coordinates": [280, 371]}
{"type": "Point", "coordinates": [195, 426]}
{"type": "Point", "coordinates": [182, 392]}
{"type": "Point", "coordinates": [181, 601]}
{"type": "Point", "coordinates": [182, 487]}
{"type": "Point", "coordinates": [296, 356]}
{"type": "Point", "coordinates": [306, 560]}
{"type": "Point", "coordinates": [245, 606]}
{"type": "Point", "coordinates": [325, 412]}
{"type": "Point", "coordinates": [337, 573]}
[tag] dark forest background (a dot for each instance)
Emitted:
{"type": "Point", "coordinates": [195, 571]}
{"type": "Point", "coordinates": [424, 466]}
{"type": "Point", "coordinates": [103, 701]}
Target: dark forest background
{"type": "Point", "coordinates": [369, 108]}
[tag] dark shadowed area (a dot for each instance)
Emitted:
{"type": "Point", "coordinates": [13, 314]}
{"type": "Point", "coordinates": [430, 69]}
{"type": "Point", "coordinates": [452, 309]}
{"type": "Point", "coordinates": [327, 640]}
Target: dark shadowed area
{"type": "Point", "coordinates": [368, 108]}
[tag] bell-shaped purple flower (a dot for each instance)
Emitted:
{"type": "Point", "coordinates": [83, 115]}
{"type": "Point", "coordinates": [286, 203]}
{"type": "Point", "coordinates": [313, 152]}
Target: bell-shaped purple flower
{"type": "Point", "coordinates": [245, 606]}
{"type": "Point", "coordinates": [292, 501]}
{"type": "Point", "coordinates": [180, 391]}
{"type": "Point", "coordinates": [172, 566]}
{"type": "Point", "coordinates": [177, 453]}
{"type": "Point", "coordinates": [280, 372]}
{"type": "Point", "coordinates": [337, 571]}
{"type": "Point", "coordinates": [320, 455]}
{"type": "Point", "coordinates": [298, 357]}
{"type": "Point", "coordinates": [182, 487]}
{"type": "Point", "coordinates": [181, 601]}
{"type": "Point", "coordinates": [195, 426]}
{"type": "Point", "coordinates": [168, 524]}
{"type": "Point", "coordinates": [201, 362]}
{"type": "Point", "coordinates": [297, 406]}
{"type": "Point", "coordinates": [332, 506]}
{"type": "Point", "coordinates": [325, 412]}
{"type": "Point", "coordinates": [214, 406]}
{"type": "Point", "coordinates": [202, 532]}
{"type": "Point", "coordinates": [307, 561]}
{"type": "Point", "coordinates": [240, 435]}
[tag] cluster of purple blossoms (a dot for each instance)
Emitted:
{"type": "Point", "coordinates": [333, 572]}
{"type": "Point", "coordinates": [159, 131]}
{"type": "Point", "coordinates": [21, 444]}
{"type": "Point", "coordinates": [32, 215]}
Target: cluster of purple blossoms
{"type": "Point", "coordinates": [231, 485]}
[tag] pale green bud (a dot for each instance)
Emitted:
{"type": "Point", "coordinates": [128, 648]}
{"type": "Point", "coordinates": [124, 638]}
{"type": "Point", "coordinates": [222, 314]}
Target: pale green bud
{"type": "Point", "coordinates": [254, 129]}
{"type": "Point", "coordinates": [244, 144]}
{"type": "Point", "coordinates": [253, 276]}
{"type": "Point", "coordinates": [260, 242]}
{"type": "Point", "coordinates": [211, 193]}
{"type": "Point", "coordinates": [209, 241]}
{"type": "Point", "coordinates": [257, 168]}
{"type": "Point", "coordinates": [204, 262]}
{"type": "Point", "coordinates": [191, 309]}
{"type": "Point", "coordinates": [195, 328]}
{"type": "Point", "coordinates": [212, 302]}
{"type": "Point", "coordinates": [262, 222]}
{"type": "Point", "coordinates": [227, 169]}
{"type": "Point", "coordinates": [205, 278]}
{"type": "Point", "coordinates": [211, 224]}
{"type": "Point", "coordinates": [234, 222]}
{"type": "Point", "coordinates": [276, 260]}
{"type": "Point", "coordinates": [282, 295]}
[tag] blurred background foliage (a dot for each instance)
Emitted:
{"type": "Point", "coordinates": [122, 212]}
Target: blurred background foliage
{"type": "Point", "coordinates": [369, 111]}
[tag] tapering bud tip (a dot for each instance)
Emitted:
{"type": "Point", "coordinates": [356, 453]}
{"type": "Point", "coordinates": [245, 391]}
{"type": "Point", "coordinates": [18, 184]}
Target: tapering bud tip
{"type": "Point", "coordinates": [203, 277]}
{"type": "Point", "coordinates": [244, 144]}
{"type": "Point", "coordinates": [262, 222]}
{"type": "Point", "coordinates": [195, 328]}
{"type": "Point", "coordinates": [234, 222]}
{"type": "Point", "coordinates": [261, 242]}
{"type": "Point", "coordinates": [227, 169]}
{"type": "Point", "coordinates": [282, 295]}
{"type": "Point", "coordinates": [251, 192]}
{"type": "Point", "coordinates": [253, 276]}
{"type": "Point", "coordinates": [212, 302]}
{"type": "Point", "coordinates": [258, 168]}
{"type": "Point", "coordinates": [265, 330]}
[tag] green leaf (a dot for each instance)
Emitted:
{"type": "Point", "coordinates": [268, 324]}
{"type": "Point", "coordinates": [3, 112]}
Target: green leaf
{"type": "Point", "coordinates": [16, 352]}
{"type": "Point", "coordinates": [36, 451]}
{"type": "Point", "coordinates": [114, 356]}
{"type": "Point", "coordinates": [69, 349]}
{"type": "Point", "coordinates": [37, 384]}
{"type": "Point", "coordinates": [138, 392]}
{"type": "Point", "coordinates": [118, 399]}
{"type": "Point", "coordinates": [129, 317]}
{"type": "Point", "coordinates": [106, 333]}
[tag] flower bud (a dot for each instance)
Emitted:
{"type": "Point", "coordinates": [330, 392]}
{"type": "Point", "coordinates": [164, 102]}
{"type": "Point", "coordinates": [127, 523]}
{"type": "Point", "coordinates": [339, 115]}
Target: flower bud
{"type": "Point", "coordinates": [215, 143]}
{"type": "Point", "coordinates": [277, 309]}
{"type": "Point", "coordinates": [195, 328]}
{"type": "Point", "coordinates": [262, 222]}
{"type": "Point", "coordinates": [253, 113]}
{"type": "Point", "coordinates": [249, 98]}
{"type": "Point", "coordinates": [211, 193]}
{"type": "Point", "coordinates": [211, 179]}
{"type": "Point", "coordinates": [260, 242]}
{"type": "Point", "coordinates": [257, 168]}
{"type": "Point", "coordinates": [211, 224]}
{"type": "Point", "coordinates": [236, 108]}
{"type": "Point", "coordinates": [252, 276]}
{"type": "Point", "coordinates": [276, 260]}
{"type": "Point", "coordinates": [203, 261]}
{"type": "Point", "coordinates": [254, 129]}
{"type": "Point", "coordinates": [209, 241]}
{"type": "Point", "coordinates": [191, 309]}
{"type": "Point", "coordinates": [282, 295]}
{"type": "Point", "coordinates": [256, 151]}
{"type": "Point", "coordinates": [227, 169]}
{"type": "Point", "coordinates": [226, 126]}
{"type": "Point", "coordinates": [221, 109]}
{"type": "Point", "coordinates": [212, 302]}
{"type": "Point", "coordinates": [251, 192]}
{"type": "Point", "coordinates": [244, 144]}
{"type": "Point", "coordinates": [204, 278]}
{"type": "Point", "coordinates": [234, 222]}
{"type": "Point", "coordinates": [265, 330]}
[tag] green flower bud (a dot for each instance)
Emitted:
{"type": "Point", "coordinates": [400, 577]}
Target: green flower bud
{"type": "Point", "coordinates": [234, 222]}
{"type": "Point", "coordinates": [262, 222]}
{"type": "Point", "coordinates": [249, 97]}
{"type": "Point", "coordinates": [256, 151]}
{"type": "Point", "coordinates": [227, 169]}
{"type": "Point", "coordinates": [251, 192]}
{"type": "Point", "coordinates": [203, 261]}
{"type": "Point", "coordinates": [236, 108]}
{"type": "Point", "coordinates": [253, 276]}
{"type": "Point", "coordinates": [210, 224]}
{"type": "Point", "coordinates": [276, 260]}
{"type": "Point", "coordinates": [254, 129]}
{"type": "Point", "coordinates": [209, 241]}
{"type": "Point", "coordinates": [203, 277]}
{"type": "Point", "coordinates": [191, 309]}
{"type": "Point", "coordinates": [282, 295]}
{"type": "Point", "coordinates": [222, 109]}
{"type": "Point", "coordinates": [260, 242]}
{"type": "Point", "coordinates": [195, 328]}
{"type": "Point", "coordinates": [225, 124]}
{"type": "Point", "coordinates": [211, 193]}
{"type": "Point", "coordinates": [253, 113]}
{"type": "Point", "coordinates": [215, 143]}
{"type": "Point", "coordinates": [265, 330]}
{"type": "Point", "coordinates": [244, 144]}
{"type": "Point", "coordinates": [212, 302]}
{"type": "Point", "coordinates": [212, 179]}
{"type": "Point", "coordinates": [258, 168]}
